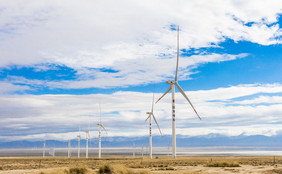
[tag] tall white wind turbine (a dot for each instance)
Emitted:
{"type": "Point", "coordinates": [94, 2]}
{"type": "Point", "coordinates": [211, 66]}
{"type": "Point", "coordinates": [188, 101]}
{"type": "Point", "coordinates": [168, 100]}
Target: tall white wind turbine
{"type": "Point", "coordinates": [87, 138]}
{"type": "Point", "coordinates": [172, 88]}
{"type": "Point", "coordinates": [151, 114]}
{"type": "Point", "coordinates": [100, 125]}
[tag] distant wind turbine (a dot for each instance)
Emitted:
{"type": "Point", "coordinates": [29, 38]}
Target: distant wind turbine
{"type": "Point", "coordinates": [100, 125]}
{"type": "Point", "coordinates": [172, 88]}
{"type": "Point", "coordinates": [133, 150]}
{"type": "Point", "coordinates": [69, 148]}
{"type": "Point", "coordinates": [142, 150]}
{"type": "Point", "coordinates": [44, 148]}
{"type": "Point", "coordinates": [87, 137]}
{"type": "Point", "coordinates": [78, 144]}
{"type": "Point", "coordinates": [151, 114]}
{"type": "Point", "coordinates": [168, 149]}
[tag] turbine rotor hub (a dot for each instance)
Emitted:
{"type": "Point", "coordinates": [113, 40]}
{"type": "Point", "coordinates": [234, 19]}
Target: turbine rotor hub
{"type": "Point", "coordinates": [171, 82]}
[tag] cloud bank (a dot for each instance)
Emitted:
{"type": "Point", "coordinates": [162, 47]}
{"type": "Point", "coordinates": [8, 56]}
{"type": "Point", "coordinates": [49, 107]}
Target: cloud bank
{"type": "Point", "coordinates": [244, 109]}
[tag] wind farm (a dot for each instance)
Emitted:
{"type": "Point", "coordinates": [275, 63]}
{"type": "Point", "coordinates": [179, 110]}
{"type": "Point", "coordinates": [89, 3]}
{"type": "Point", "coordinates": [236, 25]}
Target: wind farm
{"type": "Point", "coordinates": [189, 87]}
{"type": "Point", "coordinates": [119, 160]}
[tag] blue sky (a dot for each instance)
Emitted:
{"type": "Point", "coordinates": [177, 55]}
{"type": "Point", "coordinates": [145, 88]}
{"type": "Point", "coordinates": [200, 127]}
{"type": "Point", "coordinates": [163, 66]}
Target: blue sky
{"type": "Point", "coordinates": [59, 60]}
{"type": "Point", "coordinates": [262, 65]}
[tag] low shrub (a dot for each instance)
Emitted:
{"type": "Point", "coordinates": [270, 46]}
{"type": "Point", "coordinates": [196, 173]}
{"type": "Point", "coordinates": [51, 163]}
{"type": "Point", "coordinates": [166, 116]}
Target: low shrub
{"type": "Point", "coordinates": [169, 168]}
{"type": "Point", "coordinates": [136, 165]}
{"type": "Point", "coordinates": [166, 168]}
{"type": "Point", "coordinates": [120, 169]}
{"type": "Point", "coordinates": [77, 170]}
{"type": "Point", "coordinates": [114, 169]}
{"type": "Point", "coordinates": [223, 164]}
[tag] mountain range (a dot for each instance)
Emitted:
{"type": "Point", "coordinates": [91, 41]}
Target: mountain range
{"type": "Point", "coordinates": [211, 140]}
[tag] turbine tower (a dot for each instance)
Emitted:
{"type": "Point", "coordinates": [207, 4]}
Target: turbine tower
{"type": "Point", "coordinates": [168, 149]}
{"type": "Point", "coordinates": [69, 148]}
{"type": "Point", "coordinates": [44, 146]}
{"type": "Point", "coordinates": [133, 150]}
{"type": "Point", "coordinates": [151, 114]}
{"type": "Point", "coordinates": [172, 88]}
{"type": "Point", "coordinates": [87, 137]}
{"type": "Point", "coordinates": [78, 145]}
{"type": "Point", "coordinates": [100, 125]}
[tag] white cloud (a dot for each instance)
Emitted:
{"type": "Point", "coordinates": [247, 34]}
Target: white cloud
{"type": "Point", "coordinates": [107, 34]}
{"type": "Point", "coordinates": [131, 72]}
{"type": "Point", "coordinates": [6, 88]}
{"type": "Point", "coordinates": [124, 113]}
{"type": "Point", "coordinates": [261, 100]}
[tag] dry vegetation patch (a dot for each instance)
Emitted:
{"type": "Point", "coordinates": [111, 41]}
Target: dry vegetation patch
{"type": "Point", "coordinates": [273, 171]}
{"type": "Point", "coordinates": [144, 165]}
{"type": "Point", "coordinates": [119, 169]}
{"type": "Point", "coordinates": [223, 164]}
{"type": "Point", "coordinates": [74, 170]}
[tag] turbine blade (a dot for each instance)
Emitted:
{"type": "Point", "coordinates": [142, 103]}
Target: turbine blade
{"type": "Point", "coordinates": [104, 128]}
{"type": "Point", "coordinates": [177, 53]}
{"type": "Point", "coordinates": [157, 124]}
{"type": "Point", "coordinates": [164, 94]}
{"type": "Point", "coordinates": [153, 100]}
{"type": "Point", "coordinates": [100, 111]}
{"type": "Point", "coordinates": [183, 93]}
{"type": "Point", "coordinates": [148, 117]}
{"type": "Point", "coordinates": [89, 135]}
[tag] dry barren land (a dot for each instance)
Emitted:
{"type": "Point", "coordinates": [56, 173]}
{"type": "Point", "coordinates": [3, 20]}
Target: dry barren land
{"type": "Point", "coordinates": [123, 165]}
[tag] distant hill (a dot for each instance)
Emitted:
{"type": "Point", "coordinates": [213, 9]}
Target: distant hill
{"type": "Point", "coordinates": [211, 140]}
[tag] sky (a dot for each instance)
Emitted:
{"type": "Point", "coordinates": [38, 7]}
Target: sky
{"type": "Point", "coordinates": [60, 59]}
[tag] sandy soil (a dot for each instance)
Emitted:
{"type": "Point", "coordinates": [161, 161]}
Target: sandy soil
{"type": "Point", "coordinates": [184, 165]}
{"type": "Point", "coordinates": [183, 169]}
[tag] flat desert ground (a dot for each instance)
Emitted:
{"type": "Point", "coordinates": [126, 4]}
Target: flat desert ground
{"type": "Point", "coordinates": [138, 165]}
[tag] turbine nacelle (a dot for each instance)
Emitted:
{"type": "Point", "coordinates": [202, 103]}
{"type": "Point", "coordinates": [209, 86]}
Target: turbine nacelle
{"type": "Point", "coordinates": [101, 126]}
{"type": "Point", "coordinates": [148, 113]}
{"type": "Point", "coordinates": [171, 82]}
{"type": "Point", "coordinates": [87, 134]}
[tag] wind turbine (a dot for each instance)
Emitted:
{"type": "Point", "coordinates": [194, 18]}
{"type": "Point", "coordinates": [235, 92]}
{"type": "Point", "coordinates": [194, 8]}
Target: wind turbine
{"type": "Point", "coordinates": [142, 150]}
{"type": "Point", "coordinates": [87, 137]}
{"type": "Point", "coordinates": [151, 114]}
{"type": "Point", "coordinates": [168, 149]}
{"type": "Point", "coordinates": [69, 148]}
{"type": "Point", "coordinates": [78, 145]}
{"type": "Point", "coordinates": [172, 88]}
{"type": "Point", "coordinates": [133, 152]}
{"type": "Point", "coordinates": [100, 125]}
{"type": "Point", "coordinates": [44, 147]}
